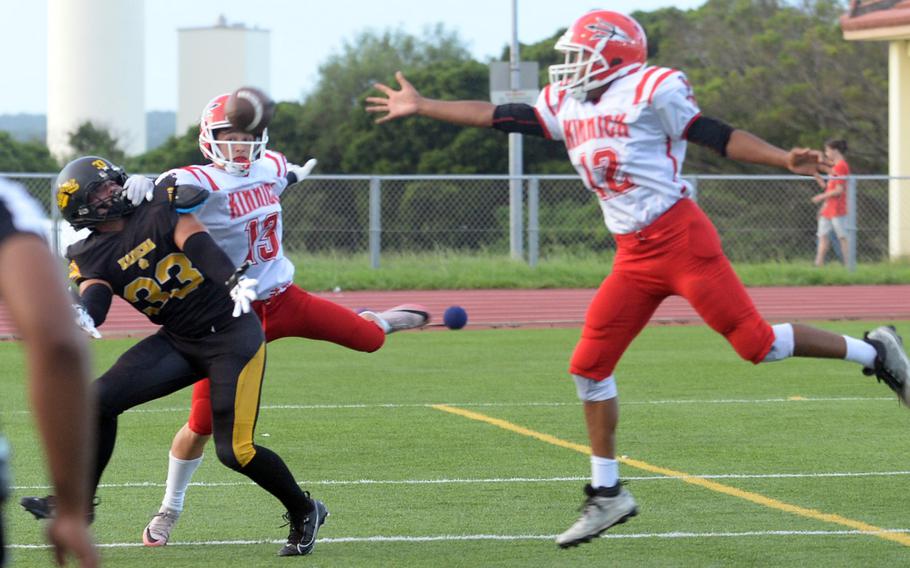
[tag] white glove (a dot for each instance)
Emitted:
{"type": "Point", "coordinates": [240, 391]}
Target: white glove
{"type": "Point", "coordinates": [302, 171]}
{"type": "Point", "coordinates": [85, 321]}
{"type": "Point", "coordinates": [138, 189]}
{"type": "Point", "coordinates": [243, 292]}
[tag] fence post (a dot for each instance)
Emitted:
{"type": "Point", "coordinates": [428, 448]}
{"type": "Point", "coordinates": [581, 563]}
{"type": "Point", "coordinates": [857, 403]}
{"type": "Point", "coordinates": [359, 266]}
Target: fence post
{"type": "Point", "coordinates": [54, 213]}
{"type": "Point", "coordinates": [693, 181]}
{"type": "Point", "coordinates": [375, 221]}
{"type": "Point", "coordinates": [516, 216]}
{"type": "Point", "coordinates": [533, 221]}
{"type": "Point", "coordinates": [851, 224]}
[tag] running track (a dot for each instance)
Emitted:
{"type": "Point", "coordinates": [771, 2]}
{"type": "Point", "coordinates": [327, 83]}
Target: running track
{"type": "Point", "coordinates": [566, 307]}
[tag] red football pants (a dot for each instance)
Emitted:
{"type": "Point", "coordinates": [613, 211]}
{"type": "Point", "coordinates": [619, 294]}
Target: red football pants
{"type": "Point", "coordinates": [296, 313]}
{"type": "Point", "coordinates": [678, 254]}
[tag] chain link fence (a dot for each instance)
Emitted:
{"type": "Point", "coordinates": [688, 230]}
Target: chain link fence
{"type": "Point", "coordinates": [760, 218]}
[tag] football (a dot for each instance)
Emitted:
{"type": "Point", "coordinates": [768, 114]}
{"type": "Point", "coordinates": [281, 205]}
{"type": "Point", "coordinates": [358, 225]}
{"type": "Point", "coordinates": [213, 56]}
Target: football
{"type": "Point", "coordinates": [250, 109]}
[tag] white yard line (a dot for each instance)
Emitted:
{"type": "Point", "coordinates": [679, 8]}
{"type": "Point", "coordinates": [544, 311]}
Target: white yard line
{"type": "Point", "coordinates": [776, 400]}
{"type": "Point", "coordinates": [445, 481]}
{"type": "Point", "coordinates": [494, 537]}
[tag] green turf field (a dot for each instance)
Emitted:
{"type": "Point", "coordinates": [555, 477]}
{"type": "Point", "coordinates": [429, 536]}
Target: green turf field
{"type": "Point", "coordinates": [798, 457]}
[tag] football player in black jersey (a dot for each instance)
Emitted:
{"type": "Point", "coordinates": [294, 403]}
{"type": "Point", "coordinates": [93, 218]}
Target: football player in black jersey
{"type": "Point", "coordinates": [161, 259]}
{"type": "Point", "coordinates": [32, 290]}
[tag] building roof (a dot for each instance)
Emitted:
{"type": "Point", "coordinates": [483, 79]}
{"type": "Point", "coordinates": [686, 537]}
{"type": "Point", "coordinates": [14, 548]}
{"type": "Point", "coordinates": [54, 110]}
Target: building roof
{"type": "Point", "coordinates": [877, 19]}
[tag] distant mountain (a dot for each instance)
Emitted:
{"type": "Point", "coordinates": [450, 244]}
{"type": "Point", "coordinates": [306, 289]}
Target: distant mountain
{"type": "Point", "coordinates": [24, 127]}
{"type": "Point", "coordinates": [159, 125]}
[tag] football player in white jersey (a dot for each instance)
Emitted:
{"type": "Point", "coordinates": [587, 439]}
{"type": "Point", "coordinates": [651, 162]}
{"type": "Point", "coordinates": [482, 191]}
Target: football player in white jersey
{"type": "Point", "coordinates": [243, 214]}
{"type": "Point", "coordinates": [31, 287]}
{"type": "Point", "coordinates": [625, 125]}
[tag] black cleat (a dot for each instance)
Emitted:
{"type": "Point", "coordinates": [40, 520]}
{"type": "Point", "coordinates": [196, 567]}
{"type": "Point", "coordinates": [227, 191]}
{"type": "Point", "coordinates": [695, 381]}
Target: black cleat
{"type": "Point", "coordinates": [41, 507]}
{"type": "Point", "coordinates": [45, 507]}
{"type": "Point", "coordinates": [302, 538]}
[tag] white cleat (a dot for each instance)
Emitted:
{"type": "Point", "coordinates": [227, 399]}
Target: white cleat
{"type": "Point", "coordinates": [158, 531]}
{"type": "Point", "coordinates": [405, 316]}
{"type": "Point", "coordinates": [600, 511]}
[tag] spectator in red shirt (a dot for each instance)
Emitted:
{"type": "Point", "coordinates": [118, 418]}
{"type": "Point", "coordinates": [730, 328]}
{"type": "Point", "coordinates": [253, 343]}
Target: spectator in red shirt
{"type": "Point", "coordinates": [833, 214]}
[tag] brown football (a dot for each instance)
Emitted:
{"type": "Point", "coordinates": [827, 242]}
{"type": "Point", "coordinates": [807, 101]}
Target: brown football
{"type": "Point", "coordinates": [250, 109]}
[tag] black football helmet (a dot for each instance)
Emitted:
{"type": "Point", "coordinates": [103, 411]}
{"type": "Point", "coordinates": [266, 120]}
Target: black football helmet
{"type": "Point", "coordinates": [81, 178]}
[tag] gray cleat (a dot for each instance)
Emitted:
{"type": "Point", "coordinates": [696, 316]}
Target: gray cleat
{"type": "Point", "coordinates": [891, 365]}
{"type": "Point", "coordinates": [603, 508]}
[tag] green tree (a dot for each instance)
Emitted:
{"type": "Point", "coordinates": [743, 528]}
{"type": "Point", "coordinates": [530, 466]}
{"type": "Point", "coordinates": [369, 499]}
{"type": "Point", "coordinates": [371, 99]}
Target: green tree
{"type": "Point", "coordinates": [91, 140]}
{"type": "Point", "coordinates": [176, 152]}
{"type": "Point", "coordinates": [18, 156]}
{"type": "Point", "coordinates": [781, 70]}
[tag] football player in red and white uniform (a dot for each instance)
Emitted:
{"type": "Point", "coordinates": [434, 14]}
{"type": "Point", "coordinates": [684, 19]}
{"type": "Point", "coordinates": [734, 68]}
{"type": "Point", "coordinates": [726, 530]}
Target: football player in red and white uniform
{"type": "Point", "coordinates": [625, 125]}
{"type": "Point", "coordinates": [243, 214]}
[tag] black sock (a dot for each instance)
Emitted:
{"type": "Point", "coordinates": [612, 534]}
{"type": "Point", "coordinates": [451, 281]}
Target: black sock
{"type": "Point", "coordinates": [269, 471]}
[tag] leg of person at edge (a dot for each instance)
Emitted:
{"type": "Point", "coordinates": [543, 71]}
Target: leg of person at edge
{"type": "Point", "coordinates": [207, 325]}
{"type": "Point", "coordinates": [246, 221]}
{"type": "Point", "coordinates": [625, 125]}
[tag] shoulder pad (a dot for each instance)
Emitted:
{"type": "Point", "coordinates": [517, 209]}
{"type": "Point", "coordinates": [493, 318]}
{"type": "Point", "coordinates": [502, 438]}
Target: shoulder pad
{"type": "Point", "coordinates": [188, 198]}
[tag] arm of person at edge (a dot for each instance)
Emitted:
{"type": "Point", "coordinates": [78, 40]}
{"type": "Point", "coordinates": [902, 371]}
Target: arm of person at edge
{"type": "Point", "coordinates": [59, 376]}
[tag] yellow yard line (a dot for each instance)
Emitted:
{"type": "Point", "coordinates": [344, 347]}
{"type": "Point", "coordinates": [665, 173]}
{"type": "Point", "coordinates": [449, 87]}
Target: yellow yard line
{"type": "Point", "coordinates": [694, 480]}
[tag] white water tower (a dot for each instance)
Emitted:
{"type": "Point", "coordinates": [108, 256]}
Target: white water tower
{"type": "Point", "coordinates": [216, 60]}
{"type": "Point", "coordinates": [96, 70]}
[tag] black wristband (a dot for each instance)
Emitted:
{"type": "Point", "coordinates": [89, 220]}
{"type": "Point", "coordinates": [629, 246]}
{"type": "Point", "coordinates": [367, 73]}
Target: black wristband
{"type": "Point", "coordinates": [96, 299]}
{"type": "Point", "coordinates": [208, 257]}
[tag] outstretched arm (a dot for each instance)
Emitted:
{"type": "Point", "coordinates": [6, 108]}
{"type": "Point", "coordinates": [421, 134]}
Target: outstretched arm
{"type": "Point", "coordinates": [407, 101]}
{"type": "Point", "coordinates": [744, 146]}
{"type": "Point", "coordinates": [747, 147]}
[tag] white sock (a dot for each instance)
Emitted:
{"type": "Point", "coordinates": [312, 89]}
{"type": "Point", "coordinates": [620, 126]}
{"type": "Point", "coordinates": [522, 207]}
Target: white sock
{"type": "Point", "coordinates": [860, 352]}
{"type": "Point", "coordinates": [604, 472]}
{"type": "Point", "coordinates": [179, 474]}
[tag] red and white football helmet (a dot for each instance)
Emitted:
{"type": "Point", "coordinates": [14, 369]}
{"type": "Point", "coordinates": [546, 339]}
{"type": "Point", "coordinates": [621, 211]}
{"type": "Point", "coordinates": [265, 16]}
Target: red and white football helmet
{"type": "Point", "coordinates": [214, 119]}
{"type": "Point", "coordinates": [600, 47]}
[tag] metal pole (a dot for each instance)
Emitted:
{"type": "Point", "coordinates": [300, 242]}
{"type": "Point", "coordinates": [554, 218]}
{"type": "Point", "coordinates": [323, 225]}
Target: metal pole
{"type": "Point", "coordinates": [516, 215]}
{"type": "Point", "coordinates": [55, 219]}
{"type": "Point", "coordinates": [533, 221]}
{"type": "Point", "coordinates": [375, 221]}
{"type": "Point", "coordinates": [851, 225]}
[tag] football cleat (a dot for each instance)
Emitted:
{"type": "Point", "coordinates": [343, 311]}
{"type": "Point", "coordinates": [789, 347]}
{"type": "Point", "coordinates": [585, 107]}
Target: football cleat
{"type": "Point", "coordinates": [158, 531]}
{"type": "Point", "coordinates": [45, 508]}
{"type": "Point", "coordinates": [302, 538]}
{"type": "Point", "coordinates": [405, 316]}
{"type": "Point", "coordinates": [603, 508]}
{"type": "Point", "coordinates": [891, 364]}
{"type": "Point", "coordinates": [41, 507]}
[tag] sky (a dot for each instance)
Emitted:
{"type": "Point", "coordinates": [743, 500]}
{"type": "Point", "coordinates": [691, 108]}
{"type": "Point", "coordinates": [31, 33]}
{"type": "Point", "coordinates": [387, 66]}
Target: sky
{"type": "Point", "coordinates": [304, 34]}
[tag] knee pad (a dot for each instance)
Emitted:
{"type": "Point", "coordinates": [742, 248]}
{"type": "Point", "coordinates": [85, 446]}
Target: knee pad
{"type": "Point", "coordinates": [595, 391]}
{"type": "Point", "coordinates": [783, 343]}
{"type": "Point", "coordinates": [235, 458]}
